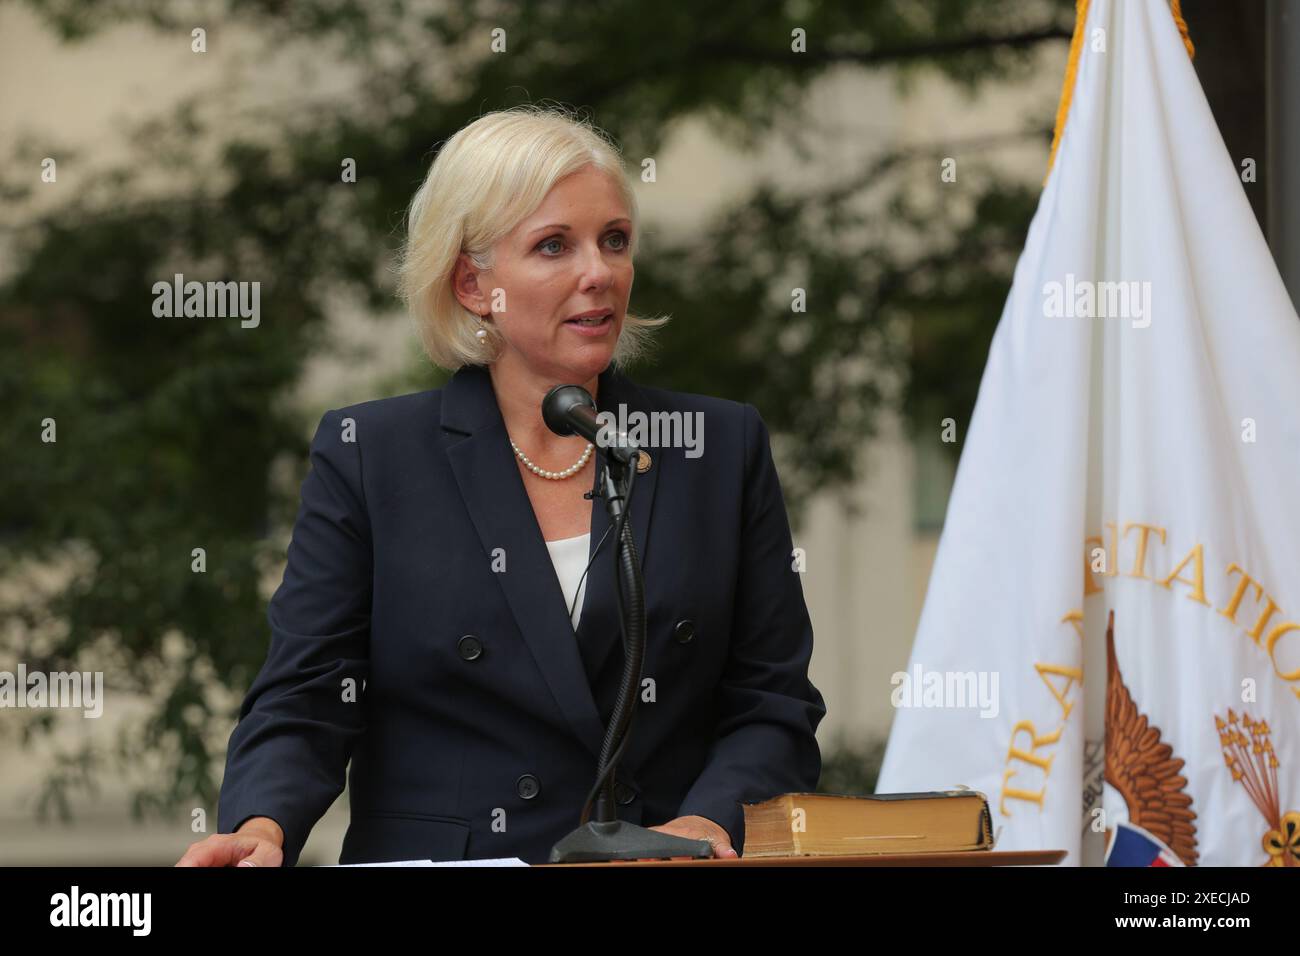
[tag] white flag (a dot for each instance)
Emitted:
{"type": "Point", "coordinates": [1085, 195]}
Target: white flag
{"type": "Point", "coordinates": [1135, 452]}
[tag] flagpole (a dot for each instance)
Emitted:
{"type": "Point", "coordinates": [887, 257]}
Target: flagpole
{"type": "Point", "coordinates": [1282, 69]}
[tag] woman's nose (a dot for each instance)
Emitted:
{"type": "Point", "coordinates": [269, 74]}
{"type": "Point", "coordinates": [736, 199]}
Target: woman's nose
{"type": "Point", "coordinates": [597, 271]}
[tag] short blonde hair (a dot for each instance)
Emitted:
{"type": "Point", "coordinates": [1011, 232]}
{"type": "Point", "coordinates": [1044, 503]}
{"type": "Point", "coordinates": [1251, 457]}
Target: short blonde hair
{"type": "Point", "coordinates": [485, 180]}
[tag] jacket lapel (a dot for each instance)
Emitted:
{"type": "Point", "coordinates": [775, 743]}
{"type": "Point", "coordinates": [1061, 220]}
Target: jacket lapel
{"type": "Point", "coordinates": [499, 507]}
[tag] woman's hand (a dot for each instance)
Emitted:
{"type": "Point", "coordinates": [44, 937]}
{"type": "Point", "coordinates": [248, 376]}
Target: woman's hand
{"type": "Point", "coordinates": [700, 828]}
{"type": "Point", "coordinates": [258, 842]}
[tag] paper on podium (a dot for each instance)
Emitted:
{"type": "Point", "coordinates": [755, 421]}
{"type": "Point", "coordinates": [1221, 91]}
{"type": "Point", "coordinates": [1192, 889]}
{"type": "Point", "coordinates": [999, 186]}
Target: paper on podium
{"type": "Point", "coordinates": [502, 861]}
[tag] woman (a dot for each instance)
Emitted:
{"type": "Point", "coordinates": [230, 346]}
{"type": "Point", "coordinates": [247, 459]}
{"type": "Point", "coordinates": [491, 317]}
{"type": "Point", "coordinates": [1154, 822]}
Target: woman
{"type": "Point", "coordinates": [435, 625]}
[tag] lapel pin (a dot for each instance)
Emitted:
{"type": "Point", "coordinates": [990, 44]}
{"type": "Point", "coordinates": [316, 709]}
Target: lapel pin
{"type": "Point", "coordinates": [642, 462]}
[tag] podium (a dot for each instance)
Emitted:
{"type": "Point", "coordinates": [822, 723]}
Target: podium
{"type": "Point", "coordinates": [964, 858]}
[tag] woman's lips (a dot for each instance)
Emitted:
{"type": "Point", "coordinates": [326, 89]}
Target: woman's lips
{"type": "Point", "coordinates": [592, 330]}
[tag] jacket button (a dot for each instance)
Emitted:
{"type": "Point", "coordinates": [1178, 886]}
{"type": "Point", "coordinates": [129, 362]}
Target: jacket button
{"type": "Point", "coordinates": [528, 786]}
{"type": "Point", "coordinates": [623, 793]}
{"type": "Point", "coordinates": [470, 647]}
{"type": "Point", "coordinates": [684, 631]}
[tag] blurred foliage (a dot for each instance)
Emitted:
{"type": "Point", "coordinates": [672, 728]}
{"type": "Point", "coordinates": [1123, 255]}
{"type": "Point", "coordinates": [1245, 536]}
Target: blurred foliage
{"type": "Point", "coordinates": [174, 434]}
{"type": "Point", "coordinates": [850, 767]}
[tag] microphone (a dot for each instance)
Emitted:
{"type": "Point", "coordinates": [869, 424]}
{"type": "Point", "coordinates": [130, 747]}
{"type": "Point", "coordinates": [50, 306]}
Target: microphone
{"type": "Point", "coordinates": [569, 410]}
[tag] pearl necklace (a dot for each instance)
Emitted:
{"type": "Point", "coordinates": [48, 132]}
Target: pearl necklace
{"type": "Point", "coordinates": [553, 475]}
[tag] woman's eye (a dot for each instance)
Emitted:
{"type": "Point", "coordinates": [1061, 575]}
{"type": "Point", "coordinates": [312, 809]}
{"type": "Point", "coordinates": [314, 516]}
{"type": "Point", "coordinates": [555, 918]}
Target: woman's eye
{"type": "Point", "coordinates": [553, 246]}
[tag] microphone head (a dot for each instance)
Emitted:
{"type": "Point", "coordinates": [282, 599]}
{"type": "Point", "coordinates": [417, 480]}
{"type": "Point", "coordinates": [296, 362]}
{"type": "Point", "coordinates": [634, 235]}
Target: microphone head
{"type": "Point", "coordinates": [558, 403]}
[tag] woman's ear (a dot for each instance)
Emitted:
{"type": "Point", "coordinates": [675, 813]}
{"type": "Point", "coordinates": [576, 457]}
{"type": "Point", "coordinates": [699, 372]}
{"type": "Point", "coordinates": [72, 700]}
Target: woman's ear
{"type": "Point", "coordinates": [464, 283]}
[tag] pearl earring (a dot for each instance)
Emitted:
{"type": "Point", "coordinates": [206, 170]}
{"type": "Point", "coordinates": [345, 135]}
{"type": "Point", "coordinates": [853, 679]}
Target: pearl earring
{"type": "Point", "coordinates": [481, 334]}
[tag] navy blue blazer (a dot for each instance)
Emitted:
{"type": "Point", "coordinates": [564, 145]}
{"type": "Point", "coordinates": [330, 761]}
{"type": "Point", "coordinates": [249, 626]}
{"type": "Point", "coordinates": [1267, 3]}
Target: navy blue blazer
{"type": "Point", "coordinates": [478, 714]}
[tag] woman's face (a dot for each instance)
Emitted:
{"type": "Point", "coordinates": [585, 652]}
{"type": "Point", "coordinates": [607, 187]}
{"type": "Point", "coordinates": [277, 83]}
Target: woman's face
{"type": "Point", "coordinates": [572, 255]}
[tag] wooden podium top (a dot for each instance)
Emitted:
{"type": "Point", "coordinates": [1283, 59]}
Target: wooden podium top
{"type": "Point", "coordinates": [965, 858]}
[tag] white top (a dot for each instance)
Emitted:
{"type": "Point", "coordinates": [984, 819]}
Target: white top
{"type": "Point", "coordinates": [569, 555]}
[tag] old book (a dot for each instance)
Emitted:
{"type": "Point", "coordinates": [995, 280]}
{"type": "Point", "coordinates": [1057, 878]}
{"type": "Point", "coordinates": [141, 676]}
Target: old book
{"type": "Point", "coordinates": [829, 824]}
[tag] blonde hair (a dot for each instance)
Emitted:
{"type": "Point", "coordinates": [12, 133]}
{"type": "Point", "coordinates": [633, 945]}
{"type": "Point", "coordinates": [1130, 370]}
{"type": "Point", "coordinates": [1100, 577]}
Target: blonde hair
{"type": "Point", "coordinates": [485, 180]}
